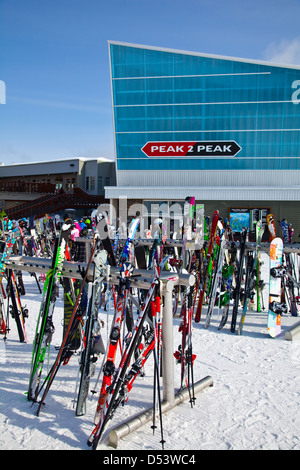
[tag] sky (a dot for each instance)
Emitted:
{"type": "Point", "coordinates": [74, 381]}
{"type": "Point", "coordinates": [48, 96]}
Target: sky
{"type": "Point", "coordinates": [54, 62]}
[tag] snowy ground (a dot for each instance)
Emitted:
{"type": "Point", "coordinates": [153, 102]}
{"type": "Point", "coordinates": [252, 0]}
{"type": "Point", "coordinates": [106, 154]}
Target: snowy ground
{"type": "Point", "coordinates": [253, 404]}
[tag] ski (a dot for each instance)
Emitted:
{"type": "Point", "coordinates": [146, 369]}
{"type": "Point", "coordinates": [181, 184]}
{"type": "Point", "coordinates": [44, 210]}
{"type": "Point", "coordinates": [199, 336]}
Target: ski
{"type": "Point", "coordinates": [140, 256]}
{"type": "Point", "coordinates": [131, 233]}
{"type": "Point", "coordinates": [227, 277]}
{"type": "Point", "coordinates": [237, 290]}
{"type": "Point", "coordinates": [156, 321]}
{"type": "Point", "coordinates": [259, 286]}
{"type": "Point", "coordinates": [100, 224]}
{"type": "Point", "coordinates": [3, 322]}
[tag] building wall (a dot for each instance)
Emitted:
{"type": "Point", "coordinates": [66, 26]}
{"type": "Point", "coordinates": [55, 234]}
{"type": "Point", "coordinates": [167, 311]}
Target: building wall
{"type": "Point", "coordinates": [95, 176]}
{"type": "Point", "coordinates": [65, 174]}
{"type": "Point", "coordinates": [222, 129]}
{"type": "Point", "coordinates": [181, 103]}
{"type": "Point", "coordinates": [210, 178]}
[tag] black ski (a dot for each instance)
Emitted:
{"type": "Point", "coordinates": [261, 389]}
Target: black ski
{"type": "Point", "coordinates": [239, 276]}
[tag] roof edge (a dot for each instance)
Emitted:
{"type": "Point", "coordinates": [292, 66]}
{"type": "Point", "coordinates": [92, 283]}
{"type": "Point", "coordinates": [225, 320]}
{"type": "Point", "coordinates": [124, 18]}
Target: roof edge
{"type": "Point", "coordinates": [200, 54]}
{"type": "Point", "coordinates": [58, 160]}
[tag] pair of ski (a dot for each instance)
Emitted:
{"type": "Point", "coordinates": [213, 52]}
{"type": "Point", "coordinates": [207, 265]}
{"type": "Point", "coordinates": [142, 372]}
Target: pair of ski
{"type": "Point", "coordinates": [203, 278]}
{"type": "Point", "coordinates": [90, 350]}
{"type": "Point", "coordinates": [100, 223]}
{"type": "Point", "coordinates": [184, 355]}
{"type": "Point", "coordinates": [113, 385]}
{"type": "Point", "coordinates": [227, 275]}
{"type": "Point", "coordinates": [276, 307]}
{"type": "Point", "coordinates": [45, 327]}
{"type": "Point", "coordinates": [251, 274]}
{"type": "Point", "coordinates": [17, 311]}
{"type": "Point", "coordinates": [92, 342]}
{"type": "Point", "coordinates": [126, 272]}
{"type": "Point", "coordinates": [72, 321]}
{"type": "Point", "coordinates": [217, 270]}
{"type": "Point", "coordinates": [150, 342]}
{"type": "Point", "coordinates": [188, 225]}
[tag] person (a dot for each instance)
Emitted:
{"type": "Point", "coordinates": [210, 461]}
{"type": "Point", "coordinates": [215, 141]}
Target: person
{"type": "Point", "coordinates": [7, 223]}
{"type": "Point", "coordinates": [88, 223]}
{"type": "Point", "coordinates": [57, 221]}
{"type": "Point", "coordinates": [74, 233]}
{"type": "Point", "coordinates": [81, 224]}
{"type": "Point", "coordinates": [77, 226]}
{"type": "Point", "coordinates": [84, 232]}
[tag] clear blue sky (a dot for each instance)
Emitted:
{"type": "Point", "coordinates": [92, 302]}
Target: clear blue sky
{"type": "Point", "coordinates": [54, 60]}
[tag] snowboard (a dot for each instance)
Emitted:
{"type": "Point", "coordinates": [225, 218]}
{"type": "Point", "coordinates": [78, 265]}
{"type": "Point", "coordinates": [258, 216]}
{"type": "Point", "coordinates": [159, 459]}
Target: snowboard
{"type": "Point", "coordinates": [274, 319]}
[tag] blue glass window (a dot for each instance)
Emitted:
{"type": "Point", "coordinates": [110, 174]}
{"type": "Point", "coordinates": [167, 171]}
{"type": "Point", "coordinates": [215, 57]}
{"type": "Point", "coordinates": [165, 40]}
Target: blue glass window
{"type": "Point", "coordinates": [163, 96]}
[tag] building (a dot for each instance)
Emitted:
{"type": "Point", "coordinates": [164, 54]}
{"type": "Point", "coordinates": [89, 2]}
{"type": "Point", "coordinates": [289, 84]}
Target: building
{"type": "Point", "coordinates": [28, 183]}
{"type": "Point", "coordinates": [222, 129]}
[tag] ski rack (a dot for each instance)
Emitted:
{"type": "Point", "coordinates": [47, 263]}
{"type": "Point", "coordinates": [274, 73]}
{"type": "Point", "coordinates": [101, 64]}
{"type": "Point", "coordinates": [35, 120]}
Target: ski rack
{"type": "Point", "coordinates": [265, 246]}
{"type": "Point", "coordinates": [191, 245]}
{"type": "Point", "coordinates": [143, 279]}
{"type": "Point", "coordinates": [168, 281]}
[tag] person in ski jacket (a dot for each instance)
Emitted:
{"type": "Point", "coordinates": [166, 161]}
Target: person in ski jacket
{"type": "Point", "coordinates": [77, 226]}
{"type": "Point", "coordinates": [88, 223]}
{"type": "Point", "coordinates": [84, 232]}
{"type": "Point", "coordinates": [81, 224]}
{"type": "Point", "coordinates": [74, 233]}
{"type": "Point", "coordinates": [7, 224]}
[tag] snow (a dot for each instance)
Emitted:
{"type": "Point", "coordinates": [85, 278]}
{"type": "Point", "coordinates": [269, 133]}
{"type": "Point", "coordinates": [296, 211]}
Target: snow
{"type": "Point", "coordinates": [253, 403]}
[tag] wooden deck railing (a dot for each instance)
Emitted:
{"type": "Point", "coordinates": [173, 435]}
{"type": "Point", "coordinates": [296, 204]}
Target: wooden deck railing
{"type": "Point", "coordinates": [79, 199]}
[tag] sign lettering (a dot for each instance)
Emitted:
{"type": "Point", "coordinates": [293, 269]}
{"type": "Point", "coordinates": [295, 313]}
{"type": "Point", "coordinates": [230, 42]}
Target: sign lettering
{"type": "Point", "coordinates": [191, 149]}
{"type": "Point", "coordinates": [296, 94]}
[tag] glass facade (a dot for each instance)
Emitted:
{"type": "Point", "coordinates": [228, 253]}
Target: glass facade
{"type": "Point", "coordinates": [193, 101]}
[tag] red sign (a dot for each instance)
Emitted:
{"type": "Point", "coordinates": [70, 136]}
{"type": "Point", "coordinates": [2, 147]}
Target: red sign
{"type": "Point", "coordinates": [196, 149]}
